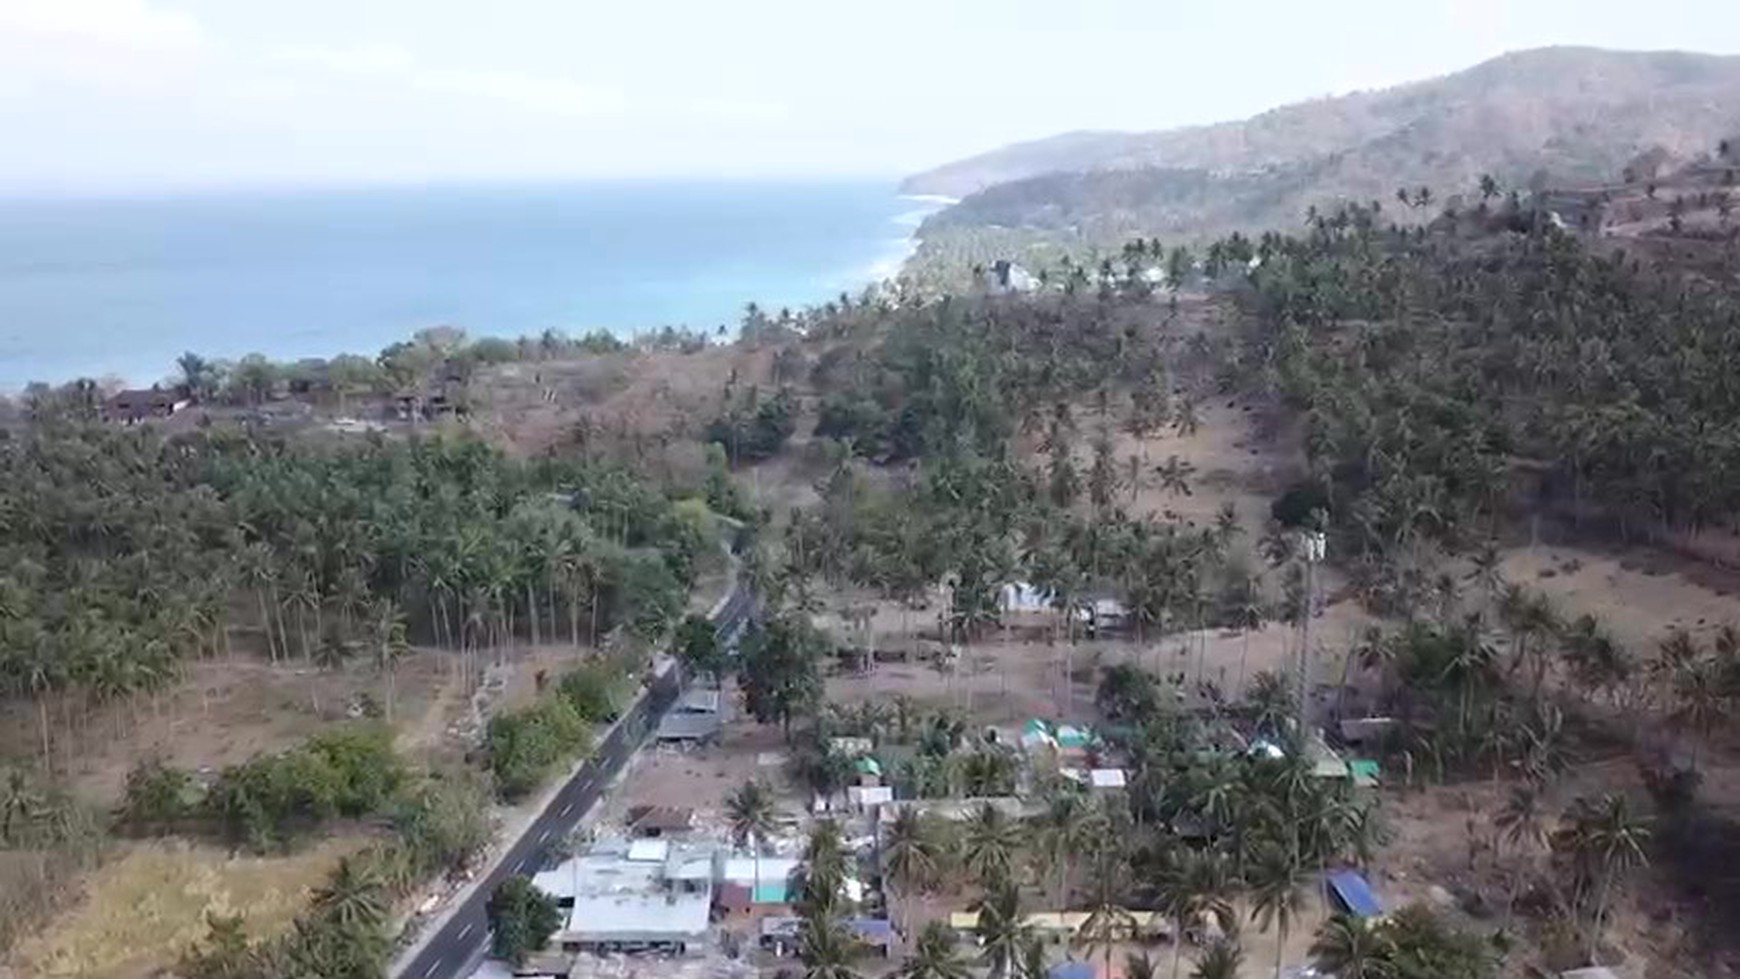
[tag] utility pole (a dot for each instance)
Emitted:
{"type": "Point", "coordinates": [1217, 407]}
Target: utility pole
{"type": "Point", "coordinates": [1315, 544]}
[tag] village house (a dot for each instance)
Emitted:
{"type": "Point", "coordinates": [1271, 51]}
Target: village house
{"type": "Point", "coordinates": [134, 406]}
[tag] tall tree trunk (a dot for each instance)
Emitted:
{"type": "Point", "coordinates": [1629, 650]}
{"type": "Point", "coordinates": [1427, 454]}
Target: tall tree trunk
{"type": "Point", "coordinates": [532, 610]}
{"type": "Point", "coordinates": [42, 721]}
{"type": "Point", "coordinates": [1600, 913]}
{"type": "Point", "coordinates": [266, 624]}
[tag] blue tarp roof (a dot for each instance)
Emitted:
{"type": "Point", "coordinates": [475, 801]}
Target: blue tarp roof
{"type": "Point", "coordinates": [1355, 894]}
{"type": "Point", "coordinates": [1073, 970]}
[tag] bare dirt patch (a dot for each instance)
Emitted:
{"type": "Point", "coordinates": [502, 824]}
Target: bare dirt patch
{"type": "Point", "coordinates": [655, 402]}
{"type": "Point", "coordinates": [1638, 595]}
{"type": "Point", "coordinates": [223, 711]}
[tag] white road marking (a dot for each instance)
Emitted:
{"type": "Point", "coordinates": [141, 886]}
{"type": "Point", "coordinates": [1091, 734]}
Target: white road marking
{"type": "Point", "coordinates": [431, 968]}
{"type": "Point", "coordinates": [465, 931]}
{"type": "Point", "coordinates": [544, 837]}
{"type": "Point", "coordinates": [566, 809]}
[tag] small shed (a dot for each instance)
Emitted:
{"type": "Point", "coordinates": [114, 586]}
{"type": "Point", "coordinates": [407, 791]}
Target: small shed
{"type": "Point", "coordinates": [865, 796]}
{"type": "Point", "coordinates": [1071, 737]}
{"type": "Point", "coordinates": [1365, 730]}
{"type": "Point", "coordinates": [851, 747]}
{"type": "Point", "coordinates": [732, 898]}
{"type": "Point", "coordinates": [1108, 778]}
{"type": "Point", "coordinates": [1353, 894]}
{"type": "Point", "coordinates": [688, 728]}
{"type": "Point", "coordinates": [1366, 772]}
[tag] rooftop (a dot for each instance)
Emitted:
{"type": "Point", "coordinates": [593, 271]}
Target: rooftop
{"type": "Point", "coordinates": [624, 892]}
{"type": "Point", "coordinates": [875, 931]}
{"type": "Point", "coordinates": [698, 700]}
{"type": "Point", "coordinates": [689, 726]}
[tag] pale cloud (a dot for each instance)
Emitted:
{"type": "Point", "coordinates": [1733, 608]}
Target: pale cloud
{"type": "Point", "coordinates": [130, 24]}
{"type": "Point", "coordinates": [397, 65]}
{"type": "Point", "coordinates": [740, 110]}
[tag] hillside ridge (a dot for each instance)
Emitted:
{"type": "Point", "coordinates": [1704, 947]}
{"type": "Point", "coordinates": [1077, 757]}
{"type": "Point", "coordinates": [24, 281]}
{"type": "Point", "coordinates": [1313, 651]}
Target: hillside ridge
{"type": "Point", "coordinates": [1575, 113]}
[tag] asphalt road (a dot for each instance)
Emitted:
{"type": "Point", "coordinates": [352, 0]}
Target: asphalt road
{"type": "Point", "coordinates": [455, 951]}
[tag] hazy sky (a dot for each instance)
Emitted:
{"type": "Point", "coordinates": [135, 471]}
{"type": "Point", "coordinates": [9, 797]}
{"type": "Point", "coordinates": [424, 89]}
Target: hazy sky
{"type": "Point", "coordinates": [156, 94]}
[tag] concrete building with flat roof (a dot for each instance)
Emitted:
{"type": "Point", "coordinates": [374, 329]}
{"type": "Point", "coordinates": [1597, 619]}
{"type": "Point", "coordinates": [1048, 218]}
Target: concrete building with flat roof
{"type": "Point", "coordinates": [627, 896]}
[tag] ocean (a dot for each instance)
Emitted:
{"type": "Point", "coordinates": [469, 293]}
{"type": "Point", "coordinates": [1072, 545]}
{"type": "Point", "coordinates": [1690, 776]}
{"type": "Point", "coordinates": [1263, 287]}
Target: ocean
{"type": "Point", "coordinates": [122, 287]}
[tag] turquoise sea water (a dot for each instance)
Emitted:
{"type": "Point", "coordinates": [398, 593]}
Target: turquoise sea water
{"type": "Point", "coordinates": [123, 287]}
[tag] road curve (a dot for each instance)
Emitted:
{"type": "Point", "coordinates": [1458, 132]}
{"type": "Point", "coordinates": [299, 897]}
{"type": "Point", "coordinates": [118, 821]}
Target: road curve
{"type": "Point", "coordinates": [461, 943]}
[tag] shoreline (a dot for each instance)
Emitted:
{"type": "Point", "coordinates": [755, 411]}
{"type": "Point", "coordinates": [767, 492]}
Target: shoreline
{"type": "Point", "coordinates": [892, 267]}
{"type": "Point", "coordinates": [886, 256]}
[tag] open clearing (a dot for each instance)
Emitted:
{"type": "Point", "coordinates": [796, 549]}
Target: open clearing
{"type": "Point", "coordinates": [223, 712]}
{"type": "Point", "coordinates": [148, 904]}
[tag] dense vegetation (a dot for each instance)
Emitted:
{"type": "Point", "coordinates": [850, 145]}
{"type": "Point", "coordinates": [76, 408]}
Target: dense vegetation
{"type": "Point", "coordinates": [439, 361]}
{"type": "Point", "coordinates": [126, 553]}
{"type": "Point", "coordinates": [521, 919]}
{"type": "Point", "coordinates": [130, 555]}
{"type": "Point", "coordinates": [439, 824]}
{"type": "Point", "coordinates": [1452, 383]}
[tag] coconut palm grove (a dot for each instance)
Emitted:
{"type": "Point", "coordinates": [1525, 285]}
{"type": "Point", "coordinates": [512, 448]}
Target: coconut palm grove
{"type": "Point", "coordinates": [1445, 386]}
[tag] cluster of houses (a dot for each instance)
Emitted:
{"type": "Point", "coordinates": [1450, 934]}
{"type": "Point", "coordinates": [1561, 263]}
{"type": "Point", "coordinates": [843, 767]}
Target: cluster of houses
{"type": "Point", "coordinates": [667, 883]}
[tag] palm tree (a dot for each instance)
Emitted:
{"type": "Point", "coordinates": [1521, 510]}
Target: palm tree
{"type": "Point", "coordinates": [1174, 475]}
{"type": "Point", "coordinates": [827, 949]}
{"type": "Point", "coordinates": [1140, 966]}
{"type": "Point", "coordinates": [1108, 921]}
{"type": "Point", "coordinates": [1002, 929]}
{"type": "Point", "coordinates": [1196, 884]}
{"type": "Point", "coordinates": [1605, 840]}
{"type": "Point", "coordinates": [936, 955]}
{"type": "Point", "coordinates": [1221, 960]}
{"type": "Point", "coordinates": [991, 841]}
{"type": "Point", "coordinates": [1699, 699]}
{"type": "Point", "coordinates": [1521, 825]}
{"type": "Point", "coordinates": [19, 808]}
{"type": "Point", "coordinates": [1031, 962]}
{"type": "Point", "coordinates": [1348, 948]}
{"type": "Point", "coordinates": [1277, 894]}
{"type": "Point", "coordinates": [387, 643]}
{"type": "Point", "coordinates": [749, 812]}
{"type": "Point", "coordinates": [824, 870]}
{"type": "Point", "coordinates": [911, 856]}
{"type": "Point", "coordinates": [1057, 833]}
{"type": "Point", "coordinates": [352, 896]}
{"type": "Point", "coordinates": [1531, 619]}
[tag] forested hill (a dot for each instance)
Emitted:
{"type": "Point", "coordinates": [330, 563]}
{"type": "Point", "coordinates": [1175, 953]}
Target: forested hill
{"type": "Point", "coordinates": [1577, 113]}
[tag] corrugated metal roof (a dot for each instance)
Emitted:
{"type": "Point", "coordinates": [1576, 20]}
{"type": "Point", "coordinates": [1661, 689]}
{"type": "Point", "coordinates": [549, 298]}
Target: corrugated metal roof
{"type": "Point", "coordinates": [688, 727]}
{"type": "Point", "coordinates": [1355, 894]}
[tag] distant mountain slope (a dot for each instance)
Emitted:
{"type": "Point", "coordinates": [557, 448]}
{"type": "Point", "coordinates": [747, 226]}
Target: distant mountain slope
{"type": "Point", "coordinates": [1578, 113]}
